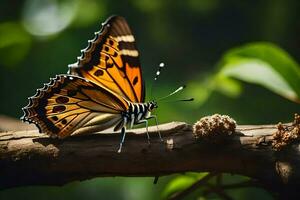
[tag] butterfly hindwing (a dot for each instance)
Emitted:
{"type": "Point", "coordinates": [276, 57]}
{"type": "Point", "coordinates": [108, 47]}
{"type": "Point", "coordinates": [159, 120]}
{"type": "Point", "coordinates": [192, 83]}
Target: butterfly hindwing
{"type": "Point", "coordinates": [70, 104]}
{"type": "Point", "coordinates": [111, 60]}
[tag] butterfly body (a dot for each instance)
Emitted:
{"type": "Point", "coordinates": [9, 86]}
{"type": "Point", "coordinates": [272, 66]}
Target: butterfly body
{"type": "Point", "coordinates": [103, 89]}
{"type": "Point", "coordinates": [138, 112]}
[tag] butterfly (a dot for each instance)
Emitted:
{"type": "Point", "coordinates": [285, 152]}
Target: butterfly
{"type": "Point", "coordinates": [103, 89]}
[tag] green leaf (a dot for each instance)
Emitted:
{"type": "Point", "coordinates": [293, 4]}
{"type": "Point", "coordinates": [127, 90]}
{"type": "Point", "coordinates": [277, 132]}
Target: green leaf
{"type": "Point", "coordinates": [180, 183]}
{"type": "Point", "coordinates": [227, 86]}
{"type": "Point", "coordinates": [265, 64]}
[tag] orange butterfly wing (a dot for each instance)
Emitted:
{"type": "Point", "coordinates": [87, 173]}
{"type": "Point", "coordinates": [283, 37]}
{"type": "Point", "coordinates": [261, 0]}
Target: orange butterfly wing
{"type": "Point", "coordinates": [111, 60]}
{"type": "Point", "coordinates": [72, 105]}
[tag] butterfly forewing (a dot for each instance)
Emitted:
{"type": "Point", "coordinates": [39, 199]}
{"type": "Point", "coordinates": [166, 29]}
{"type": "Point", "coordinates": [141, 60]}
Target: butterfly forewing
{"type": "Point", "coordinates": [111, 60]}
{"type": "Point", "coordinates": [69, 105]}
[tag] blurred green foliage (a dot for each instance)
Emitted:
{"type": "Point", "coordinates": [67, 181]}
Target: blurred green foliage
{"type": "Point", "coordinates": [182, 182]}
{"type": "Point", "coordinates": [264, 64]}
{"type": "Point", "coordinates": [39, 38]}
{"type": "Point", "coordinates": [14, 44]}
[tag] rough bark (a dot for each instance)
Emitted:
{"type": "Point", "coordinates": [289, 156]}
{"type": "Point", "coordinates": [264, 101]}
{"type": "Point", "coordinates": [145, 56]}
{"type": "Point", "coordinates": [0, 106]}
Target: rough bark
{"type": "Point", "coordinates": [29, 158]}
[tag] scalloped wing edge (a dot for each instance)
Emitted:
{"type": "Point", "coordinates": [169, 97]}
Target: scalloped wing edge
{"type": "Point", "coordinates": [29, 113]}
{"type": "Point", "coordinates": [86, 52]}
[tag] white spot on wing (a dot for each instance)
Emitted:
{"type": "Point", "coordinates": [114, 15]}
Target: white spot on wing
{"type": "Point", "coordinates": [125, 38]}
{"type": "Point", "coordinates": [127, 52]}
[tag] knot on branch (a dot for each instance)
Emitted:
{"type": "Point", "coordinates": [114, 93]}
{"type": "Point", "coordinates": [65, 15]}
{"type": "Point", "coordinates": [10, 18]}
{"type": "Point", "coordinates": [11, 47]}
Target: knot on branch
{"type": "Point", "coordinates": [284, 170]}
{"type": "Point", "coordinates": [214, 128]}
{"type": "Point", "coordinates": [286, 135]}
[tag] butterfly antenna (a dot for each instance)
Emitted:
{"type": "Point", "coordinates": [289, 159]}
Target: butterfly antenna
{"type": "Point", "coordinates": [180, 100]}
{"type": "Point", "coordinates": [172, 93]}
{"type": "Point", "coordinates": [160, 66]}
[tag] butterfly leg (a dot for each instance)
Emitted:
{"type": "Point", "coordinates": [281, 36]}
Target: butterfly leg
{"type": "Point", "coordinates": [123, 134]}
{"type": "Point", "coordinates": [156, 121]}
{"type": "Point", "coordinates": [146, 123]}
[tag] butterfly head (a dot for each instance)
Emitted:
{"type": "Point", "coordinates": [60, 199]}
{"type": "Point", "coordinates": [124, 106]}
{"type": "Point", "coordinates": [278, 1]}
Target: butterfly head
{"type": "Point", "coordinates": [152, 105]}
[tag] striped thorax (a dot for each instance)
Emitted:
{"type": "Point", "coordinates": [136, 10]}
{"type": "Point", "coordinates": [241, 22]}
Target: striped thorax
{"type": "Point", "coordinates": [138, 112]}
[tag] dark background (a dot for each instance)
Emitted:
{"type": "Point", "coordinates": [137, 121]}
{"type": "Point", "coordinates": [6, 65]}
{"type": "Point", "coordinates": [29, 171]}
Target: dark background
{"type": "Point", "coordinates": [38, 39]}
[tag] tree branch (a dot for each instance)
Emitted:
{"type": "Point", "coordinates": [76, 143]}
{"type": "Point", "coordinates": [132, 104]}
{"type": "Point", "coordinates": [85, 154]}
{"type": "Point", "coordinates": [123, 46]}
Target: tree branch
{"type": "Point", "coordinates": [29, 158]}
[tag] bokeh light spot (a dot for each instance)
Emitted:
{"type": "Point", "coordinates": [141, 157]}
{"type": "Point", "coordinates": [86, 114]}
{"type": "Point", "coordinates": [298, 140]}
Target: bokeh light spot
{"type": "Point", "coordinates": [47, 17]}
